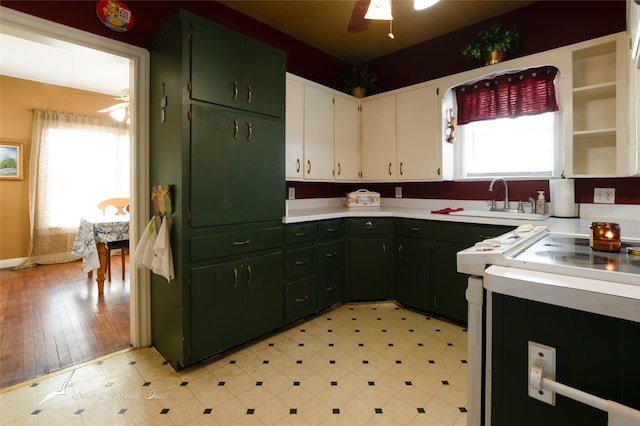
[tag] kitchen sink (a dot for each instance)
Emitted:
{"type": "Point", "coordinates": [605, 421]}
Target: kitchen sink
{"type": "Point", "coordinates": [503, 215]}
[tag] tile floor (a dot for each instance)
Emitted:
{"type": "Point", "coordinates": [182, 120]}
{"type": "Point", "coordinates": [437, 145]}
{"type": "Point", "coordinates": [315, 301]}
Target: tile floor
{"type": "Point", "coordinates": [370, 363]}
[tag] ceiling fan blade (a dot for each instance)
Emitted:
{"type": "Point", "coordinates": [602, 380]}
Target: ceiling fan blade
{"type": "Point", "coordinates": [114, 107]}
{"type": "Point", "coordinates": [357, 23]}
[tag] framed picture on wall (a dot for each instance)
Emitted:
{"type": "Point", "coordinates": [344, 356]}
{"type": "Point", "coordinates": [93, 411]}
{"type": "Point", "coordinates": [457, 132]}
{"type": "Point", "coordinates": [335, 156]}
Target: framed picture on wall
{"type": "Point", "coordinates": [11, 161]}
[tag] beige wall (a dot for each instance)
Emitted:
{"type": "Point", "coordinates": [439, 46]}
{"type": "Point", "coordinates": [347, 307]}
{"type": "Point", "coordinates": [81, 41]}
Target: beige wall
{"type": "Point", "coordinates": [17, 99]}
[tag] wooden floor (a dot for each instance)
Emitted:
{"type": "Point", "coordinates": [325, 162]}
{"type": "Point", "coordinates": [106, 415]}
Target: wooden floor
{"type": "Point", "coordinates": [51, 318]}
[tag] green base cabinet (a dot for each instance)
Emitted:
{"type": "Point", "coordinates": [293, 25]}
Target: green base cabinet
{"type": "Point", "coordinates": [370, 247]}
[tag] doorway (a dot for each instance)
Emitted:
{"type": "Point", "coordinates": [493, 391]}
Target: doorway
{"type": "Point", "coordinates": [29, 27]}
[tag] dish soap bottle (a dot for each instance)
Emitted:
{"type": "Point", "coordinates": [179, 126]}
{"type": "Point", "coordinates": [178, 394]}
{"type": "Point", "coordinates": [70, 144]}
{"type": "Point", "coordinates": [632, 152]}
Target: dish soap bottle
{"type": "Point", "coordinates": [541, 203]}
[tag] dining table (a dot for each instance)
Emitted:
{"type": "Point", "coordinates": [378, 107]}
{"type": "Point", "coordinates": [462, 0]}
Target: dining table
{"type": "Point", "coordinates": [91, 239]}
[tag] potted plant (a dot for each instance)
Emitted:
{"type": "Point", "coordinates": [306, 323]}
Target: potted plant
{"type": "Point", "coordinates": [492, 44]}
{"type": "Point", "coordinates": [359, 81]}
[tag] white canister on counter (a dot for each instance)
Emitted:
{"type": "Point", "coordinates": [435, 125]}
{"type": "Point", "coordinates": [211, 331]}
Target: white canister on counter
{"type": "Point", "coordinates": [563, 199]}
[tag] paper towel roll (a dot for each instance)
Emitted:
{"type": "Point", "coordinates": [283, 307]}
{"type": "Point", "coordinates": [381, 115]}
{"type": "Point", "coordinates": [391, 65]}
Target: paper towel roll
{"type": "Point", "coordinates": [563, 198]}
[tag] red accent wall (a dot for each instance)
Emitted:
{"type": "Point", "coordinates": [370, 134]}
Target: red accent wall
{"type": "Point", "coordinates": [542, 25]}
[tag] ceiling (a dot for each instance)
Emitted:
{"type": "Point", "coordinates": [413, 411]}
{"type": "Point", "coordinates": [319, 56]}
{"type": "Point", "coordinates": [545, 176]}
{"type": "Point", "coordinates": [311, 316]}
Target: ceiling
{"type": "Point", "coordinates": [323, 23]}
{"type": "Point", "coordinates": [63, 64]}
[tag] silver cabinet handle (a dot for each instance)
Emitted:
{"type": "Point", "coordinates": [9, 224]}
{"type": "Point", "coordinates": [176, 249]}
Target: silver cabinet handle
{"type": "Point", "coordinates": [241, 243]}
{"type": "Point", "coordinates": [302, 299]}
{"type": "Point", "coordinates": [249, 130]}
{"type": "Point", "coordinates": [389, 169]}
{"type": "Point", "coordinates": [302, 261]}
{"type": "Point", "coordinates": [332, 254]}
{"type": "Point", "coordinates": [308, 166]}
{"type": "Point", "coordinates": [249, 93]}
{"type": "Point", "coordinates": [297, 165]}
{"type": "Point", "coordinates": [401, 172]}
{"type": "Point", "coordinates": [235, 278]}
{"type": "Point", "coordinates": [235, 90]}
{"type": "Point", "coordinates": [384, 249]}
{"type": "Point", "coordinates": [236, 128]}
{"type": "Point", "coordinates": [301, 234]}
{"type": "Point", "coordinates": [368, 225]}
{"type": "Point", "coordinates": [339, 169]}
{"type": "Point", "coordinates": [400, 250]}
{"type": "Point", "coordinates": [249, 274]}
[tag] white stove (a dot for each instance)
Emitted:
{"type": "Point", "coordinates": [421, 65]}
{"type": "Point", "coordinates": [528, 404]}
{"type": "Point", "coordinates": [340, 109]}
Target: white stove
{"type": "Point", "coordinates": [532, 263]}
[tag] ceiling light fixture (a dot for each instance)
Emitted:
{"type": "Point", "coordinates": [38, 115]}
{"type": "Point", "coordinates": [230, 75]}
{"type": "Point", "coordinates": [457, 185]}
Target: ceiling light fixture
{"type": "Point", "coordinates": [379, 9]}
{"type": "Point", "coordinates": [423, 4]}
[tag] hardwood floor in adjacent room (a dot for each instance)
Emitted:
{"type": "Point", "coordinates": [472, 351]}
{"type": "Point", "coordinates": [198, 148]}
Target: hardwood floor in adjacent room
{"type": "Point", "coordinates": [51, 317]}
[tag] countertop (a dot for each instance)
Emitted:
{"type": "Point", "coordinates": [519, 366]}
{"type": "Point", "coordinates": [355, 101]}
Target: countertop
{"type": "Point", "coordinates": [306, 210]}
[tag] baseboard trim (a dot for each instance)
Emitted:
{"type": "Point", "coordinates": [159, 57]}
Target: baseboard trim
{"type": "Point", "coordinates": [11, 263]}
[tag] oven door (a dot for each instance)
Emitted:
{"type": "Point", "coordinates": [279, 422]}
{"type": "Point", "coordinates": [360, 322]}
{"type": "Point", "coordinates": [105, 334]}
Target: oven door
{"type": "Point", "coordinates": [594, 327]}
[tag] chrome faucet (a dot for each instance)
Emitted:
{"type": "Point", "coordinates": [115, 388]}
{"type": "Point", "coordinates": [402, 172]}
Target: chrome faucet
{"type": "Point", "coordinates": [506, 192]}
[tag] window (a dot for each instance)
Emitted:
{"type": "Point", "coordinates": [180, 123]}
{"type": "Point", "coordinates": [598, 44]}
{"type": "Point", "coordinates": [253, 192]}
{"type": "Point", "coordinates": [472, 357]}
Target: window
{"type": "Point", "coordinates": [522, 146]}
{"type": "Point", "coordinates": [508, 125]}
{"type": "Point", "coordinates": [83, 167]}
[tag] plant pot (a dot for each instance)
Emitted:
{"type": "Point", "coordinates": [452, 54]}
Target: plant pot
{"type": "Point", "coordinates": [490, 57]}
{"type": "Point", "coordinates": [359, 91]}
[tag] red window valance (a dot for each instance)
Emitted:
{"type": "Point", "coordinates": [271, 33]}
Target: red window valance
{"type": "Point", "coordinates": [512, 95]}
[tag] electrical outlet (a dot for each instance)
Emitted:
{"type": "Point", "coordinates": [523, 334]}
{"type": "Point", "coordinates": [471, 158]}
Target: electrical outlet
{"type": "Point", "coordinates": [604, 195]}
{"type": "Point", "coordinates": [292, 193]}
{"type": "Point", "coordinates": [398, 192]}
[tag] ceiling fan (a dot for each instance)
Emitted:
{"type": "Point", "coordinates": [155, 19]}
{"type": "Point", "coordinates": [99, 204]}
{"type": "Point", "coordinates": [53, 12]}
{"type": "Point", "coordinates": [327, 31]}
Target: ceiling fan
{"type": "Point", "coordinates": [119, 111]}
{"type": "Point", "coordinates": [365, 10]}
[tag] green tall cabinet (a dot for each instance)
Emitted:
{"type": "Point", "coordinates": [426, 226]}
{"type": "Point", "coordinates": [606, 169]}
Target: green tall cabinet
{"type": "Point", "coordinates": [217, 139]}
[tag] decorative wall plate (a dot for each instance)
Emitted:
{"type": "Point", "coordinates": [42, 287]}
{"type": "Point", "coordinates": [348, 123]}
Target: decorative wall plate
{"type": "Point", "coordinates": [115, 15]}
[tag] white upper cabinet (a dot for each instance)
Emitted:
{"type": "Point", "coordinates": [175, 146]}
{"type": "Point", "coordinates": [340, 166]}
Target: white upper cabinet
{"type": "Point", "coordinates": [347, 139]}
{"type": "Point", "coordinates": [318, 134]}
{"type": "Point", "coordinates": [401, 136]}
{"type": "Point", "coordinates": [418, 134]}
{"type": "Point", "coordinates": [597, 128]}
{"type": "Point", "coordinates": [294, 128]}
{"type": "Point", "coordinates": [379, 139]}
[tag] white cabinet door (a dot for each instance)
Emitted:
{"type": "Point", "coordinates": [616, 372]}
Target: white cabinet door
{"type": "Point", "coordinates": [318, 134]}
{"type": "Point", "coordinates": [294, 135]}
{"type": "Point", "coordinates": [347, 140]}
{"type": "Point", "coordinates": [378, 139]}
{"type": "Point", "coordinates": [417, 129]}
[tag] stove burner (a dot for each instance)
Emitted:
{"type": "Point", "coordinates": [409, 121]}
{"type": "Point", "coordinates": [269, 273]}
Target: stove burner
{"type": "Point", "coordinates": [570, 251]}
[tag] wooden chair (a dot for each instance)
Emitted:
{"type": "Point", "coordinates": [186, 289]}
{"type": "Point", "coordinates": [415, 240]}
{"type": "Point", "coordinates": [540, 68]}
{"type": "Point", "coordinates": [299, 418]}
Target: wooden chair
{"type": "Point", "coordinates": [121, 207]}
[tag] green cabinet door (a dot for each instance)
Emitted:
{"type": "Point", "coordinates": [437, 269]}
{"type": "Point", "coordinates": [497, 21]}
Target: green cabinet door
{"type": "Point", "coordinates": [216, 156]}
{"type": "Point", "coordinates": [237, 167]}
{"type": "Point", "coordinates": [370, 268]}
{"type": "Point", "coordinates": [263, 79]}
{"type": "Point", "coordinates": [216, 314]}
{"type": "Point", "coordinates": [263, 295]}
{"type": "Point", "coordinates": [216, 65]}
{"type": "Point", "coordinates": [262, 169]}
{"type": "Point", "coordinates": [448, 286]}
{"type": "Point", "coordinates": [413, 272]}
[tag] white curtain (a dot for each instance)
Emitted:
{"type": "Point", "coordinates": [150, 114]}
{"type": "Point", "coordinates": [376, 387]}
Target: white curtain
{"type": "Point", "coordinates": [76, 161]}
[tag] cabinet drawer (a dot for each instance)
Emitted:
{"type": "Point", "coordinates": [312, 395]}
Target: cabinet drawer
{"type": "Point", "coordinates": [330, 254]}
{"type": "Point", "coordinates": [300, 261]}
{"type": "Point", "coordinates": [300, 299]}
{"type": "Point", "coordinates": [331, 288]}
{"type": "Point", "coordinates": [235, 242]}
{"type": "Point", "coordinates": [413, 228]}
{"type": "Point", "coordinates": [370, 226]}
{"type": "Point", "coordinates": [301, 233]}
{"type": "Point", "coordinates": [331, 229]}
{"type": "Point", "coordinates": [467, 234]}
